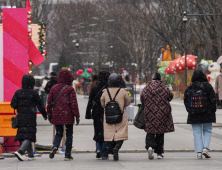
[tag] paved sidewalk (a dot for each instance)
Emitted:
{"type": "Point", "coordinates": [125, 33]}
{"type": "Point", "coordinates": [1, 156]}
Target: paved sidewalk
{"type": "Point", "coordinates": [134, 161]}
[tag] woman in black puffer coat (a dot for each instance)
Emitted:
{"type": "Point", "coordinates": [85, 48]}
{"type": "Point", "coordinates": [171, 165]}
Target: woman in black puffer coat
{"type": "Point", "coordinates": [25, 101]}
{"type": "Point", "coordinates": [97, 110]}
{"type": "Point", "coordinates": [201, 122]}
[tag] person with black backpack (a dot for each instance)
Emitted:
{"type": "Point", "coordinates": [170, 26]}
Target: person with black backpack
{"type": "Point", "coordinates": [114, 101]}
{"type": "Point", "coordinates": [200, 103]}
{"type": "Point", "coordinates": [95, 111]}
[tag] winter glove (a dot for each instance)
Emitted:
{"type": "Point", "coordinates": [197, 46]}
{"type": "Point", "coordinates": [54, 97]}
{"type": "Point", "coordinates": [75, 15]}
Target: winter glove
{"type": "Point", "coordinates": [50, 119]}
{"type": "Point", "coordinates": [77, 121]}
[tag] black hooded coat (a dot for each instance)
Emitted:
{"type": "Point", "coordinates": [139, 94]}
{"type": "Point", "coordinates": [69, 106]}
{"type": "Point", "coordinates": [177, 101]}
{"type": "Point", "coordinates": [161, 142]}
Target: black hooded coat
{"type": "Point", "coordinates": [97, 110]}
{"type": "Point", "coordinates": [209, 115]}
{"type": "Point", "coordinates": [25, 101]}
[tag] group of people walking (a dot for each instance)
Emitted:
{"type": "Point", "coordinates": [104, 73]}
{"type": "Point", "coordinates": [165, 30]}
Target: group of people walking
{"type": "Point", "coordinates": [107, 104]}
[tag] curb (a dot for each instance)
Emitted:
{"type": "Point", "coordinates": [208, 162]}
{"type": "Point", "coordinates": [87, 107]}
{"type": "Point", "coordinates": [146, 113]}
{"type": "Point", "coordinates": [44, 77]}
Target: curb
{"type": "Point", "coordinates": [129, 151]}
{"type": "Point", "coordinates": [131, 123]}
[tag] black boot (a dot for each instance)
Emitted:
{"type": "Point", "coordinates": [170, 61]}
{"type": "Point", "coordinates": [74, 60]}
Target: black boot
{"type": "Point", "coordinates": [115, 154]}
{"type": "Point", "coordinates": [53, 152]}
{"type": "Point", "coordinates": [98, 154]}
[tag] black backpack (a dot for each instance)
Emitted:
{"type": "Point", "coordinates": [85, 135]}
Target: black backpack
{"type": "Point", "coordinates": [197, 100]}
{"type": "Point", "coordinates": [113, 112]}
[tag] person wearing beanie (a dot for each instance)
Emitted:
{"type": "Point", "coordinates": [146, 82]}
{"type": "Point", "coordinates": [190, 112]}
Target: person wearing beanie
{"type": "Point", "coordinates": [95, 111]}
{"type": "Point", "coordinates": [157, 114]}
{"type": "Point", "coordinates": [116, 132]}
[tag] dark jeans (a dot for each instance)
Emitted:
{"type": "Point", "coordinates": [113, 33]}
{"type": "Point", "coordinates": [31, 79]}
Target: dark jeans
{"type": "Point", "coordinates": [156, 142]}
{"type": "Point", "coordinates": [107, 146]}
{"type": "Point", "coordinates": [104, 149]}
{"type": "Point", "coordinates": [26, 145]}
{"type": "Point", "coordinates": [69, 137]}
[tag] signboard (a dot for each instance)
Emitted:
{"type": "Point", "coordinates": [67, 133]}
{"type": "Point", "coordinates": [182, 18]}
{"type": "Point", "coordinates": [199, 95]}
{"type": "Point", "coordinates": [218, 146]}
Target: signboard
{"type": "Point", "coordinates": [130, 91]}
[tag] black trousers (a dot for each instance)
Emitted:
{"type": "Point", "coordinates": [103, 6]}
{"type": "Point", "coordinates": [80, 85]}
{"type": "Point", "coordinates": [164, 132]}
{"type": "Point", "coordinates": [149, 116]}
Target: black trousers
{"type": "Point", "coordinates": [156, 142]}
{"type": "Point", "coordinates": [69, 137]}
{"type": "Point", "coordinates": [117, 144]}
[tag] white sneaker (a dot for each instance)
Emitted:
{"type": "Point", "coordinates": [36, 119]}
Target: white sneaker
{"type": "Point", "coordinates": [19, 156]}
{"type": "Point", "coordinates": [199, 155]}
{"type": "Point", "coordinates": [31, 158]}
{"type": "Point", "coordinates": [159, 156]}
{"type": "Point", "coordinates": [150, 153]}
{"type": "Point", "coordinates": [205, 153]}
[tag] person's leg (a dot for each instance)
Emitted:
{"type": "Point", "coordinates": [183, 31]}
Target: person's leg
{"type": "Point", "coordinates": [150, 141]}
{"type": "Point", "coordinates": [58, 136]}
{"type": "Point", "coordinates": [159, 139]}
{"type": "Point", "coordinates": [119, 144]}
{"type": "Point", "coordinates": [116, 150]}
{"type": "Point", "coordinates": [105, 150]}
{"type": "Point", "coordinates": [150, 144]}
{"type": "Point", "coordinates": [57, 140]}
{"type": "Point", "coordinates": [99, 146]}
{"type": "Point", "coordinates": [25, 145]}
{"type": "Point", "coordinates": [30, 150]}
{"type": "Point", "coordinates": [69, 138]}
{"type": "Point", "coordinates": [198, 141]}
{"type": "Point", "coordinates": [21, 151]}
{"type": "Point", "coordinates": [207, 133]}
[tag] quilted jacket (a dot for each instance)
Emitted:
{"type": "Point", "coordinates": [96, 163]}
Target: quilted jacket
{"type": "Point", "coordinates": [66, 107]}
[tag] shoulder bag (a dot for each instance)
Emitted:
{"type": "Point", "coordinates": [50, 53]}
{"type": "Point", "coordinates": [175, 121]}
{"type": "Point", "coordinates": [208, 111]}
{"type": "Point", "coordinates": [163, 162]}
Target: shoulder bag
{"type": "Point", "coordinates": [14, 120]}
{"type": "Point", "coordinates": [139, 119]}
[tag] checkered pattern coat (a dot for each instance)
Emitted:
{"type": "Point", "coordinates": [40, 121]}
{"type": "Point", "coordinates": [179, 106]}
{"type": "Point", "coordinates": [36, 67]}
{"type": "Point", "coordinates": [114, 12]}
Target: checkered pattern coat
{"type": "Point", "coordinates": [157, 111]}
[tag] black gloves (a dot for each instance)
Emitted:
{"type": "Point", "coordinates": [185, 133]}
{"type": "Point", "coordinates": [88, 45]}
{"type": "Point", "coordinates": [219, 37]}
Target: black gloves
{"type": "Point", "coordinates": [77, 121]}
{"type": "Point", "coordinates": [50, 119]}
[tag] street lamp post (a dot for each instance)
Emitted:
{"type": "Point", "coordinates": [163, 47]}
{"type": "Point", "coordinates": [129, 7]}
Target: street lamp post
{"type": "Point", "coordinates": [185, 19]}
{"type": "Point", "coordinates": [185, 44]}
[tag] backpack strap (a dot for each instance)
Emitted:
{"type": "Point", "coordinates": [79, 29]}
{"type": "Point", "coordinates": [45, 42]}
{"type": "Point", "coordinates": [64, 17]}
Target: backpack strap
{"type": "Point", "coordinates": [109, 94]}
{"type": "Point", "coordinates": [117, 93]}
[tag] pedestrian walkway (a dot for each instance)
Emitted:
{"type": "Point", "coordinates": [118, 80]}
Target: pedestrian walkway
{"type": "Point", "coordinates": [128, 161]}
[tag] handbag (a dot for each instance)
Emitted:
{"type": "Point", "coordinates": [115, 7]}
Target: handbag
{"type": "Point", "coordinates": [15, 121]}
{"type": "Point", "coordinates": [53, 103]}
{"type": "Point", "coordinates": [139, 121]}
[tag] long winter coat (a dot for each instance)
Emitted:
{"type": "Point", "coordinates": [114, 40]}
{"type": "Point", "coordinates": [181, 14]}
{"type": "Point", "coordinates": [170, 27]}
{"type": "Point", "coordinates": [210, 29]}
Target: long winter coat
{"type": "Point", "coordinates": [117, 131]}
{"type": "Point", "coordinates": [66, 107]}
{"type": "Point", "coordinates": [209, 116]}
{"type": "Point", "coordinates": [25, 101]}
{"type": "Point", "coordinates": [218, 86]}
{"type": "Point", "coordinates": [157, 111]}
{"type": "Point", "coordinates": [97, 110]}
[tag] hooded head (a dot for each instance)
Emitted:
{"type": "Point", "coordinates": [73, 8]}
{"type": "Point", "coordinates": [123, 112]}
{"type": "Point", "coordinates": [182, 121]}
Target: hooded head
{"type": "Point", "coordinates": [65, 77]}
{"type": "Point", "coordinates": [198, 75]}
{"type": "Point", "coordinates": [103, 76]}
{"type": "Point", "coordinates": [28, 82]}
{"type": "Point", "coordinates": [114, 80]}
{"type": "Point", "coordinates": [156, 76]}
